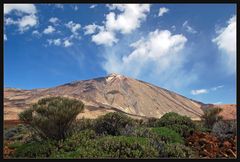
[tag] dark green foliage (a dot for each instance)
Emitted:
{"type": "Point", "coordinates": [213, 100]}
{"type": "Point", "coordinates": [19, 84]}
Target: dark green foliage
{"type": "Point", "coordinates": [83, 124]}
{"type": "Point", "coordinates": [180, 124]}
{"type": "Point", "coordinates": [52, 117]}
{"type": "Point", "coordinates": [200, 127]}
{"type": "Point", "coordinates": [126, 147]}
{"type": "Point", "coordinates": [152, 122]}
{"type": "Point", "coordinates": [176, 150]}
{"type": "Point", "coordinates": [167, 135]}
{"type": "Point", "coordinates": [211, 116]}
{"type": "Point", "coordinates": [225, 129]}
{"type": "Point", "coordinates": [41, 149]}
{"type": "Point", "coordinates": [112, 123]}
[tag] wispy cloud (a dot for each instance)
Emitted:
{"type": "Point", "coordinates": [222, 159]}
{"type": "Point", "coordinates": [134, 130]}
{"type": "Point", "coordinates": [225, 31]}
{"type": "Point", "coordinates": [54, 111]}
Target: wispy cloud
{"type": "Point", "coordinates": [199, 91]}
{"type": "Point", "coordinates": [226, 43]}
{"type": "Point", "coordinates": [50, 29]}
{"type": "Point", "coordinates": [203, 91]}
{"type": "Point", "coordinates": [188, 28]}
{"type": "Point", "coordinates": [162, 11]}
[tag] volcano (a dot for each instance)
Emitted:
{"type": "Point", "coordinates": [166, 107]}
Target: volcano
{"type": "Point", "coordinates": [112, 93]}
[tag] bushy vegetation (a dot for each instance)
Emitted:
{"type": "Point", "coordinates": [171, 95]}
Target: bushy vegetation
{"type": "Point", "coordinates": [114, 135]}
{"type": "Point", "coordinates": [225, 129]}
{"type": "Point", "coordinates": [112, 123]}
{"type": "Point", "coordinates": [167, 135]}
{"type": "Point", "coordinates": [176, 150]}
{"type": "Point", "coordinates": [52, 117]}
{"type": "Point", "coordinates": [180, 124]}
{"type": "Point", "coordinates": [211, 116]}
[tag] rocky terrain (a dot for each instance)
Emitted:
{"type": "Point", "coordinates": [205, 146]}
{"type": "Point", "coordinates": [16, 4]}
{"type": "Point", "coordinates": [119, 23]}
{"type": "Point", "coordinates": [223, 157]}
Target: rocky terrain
{"type": "Point", "coordinates": [111, 93]}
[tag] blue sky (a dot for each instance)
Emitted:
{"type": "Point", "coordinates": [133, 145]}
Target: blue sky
{"type": "Point", "coordinates": [186, 48]}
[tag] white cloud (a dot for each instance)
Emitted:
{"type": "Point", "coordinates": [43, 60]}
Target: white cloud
{"type": "Point", "coordinates": [217, 87]}
{"type": "Point", "coordinates": [10, 21]}
{"type": "Point", "coordinates": [74, 27]}
{"type": "Point", "coordinates": [188, 28]}
{"type": "Point", "coordinates": [25, 8]}
{"type": "Point", "coordinates": [54, 20]}
{"type": "Point", "coordinates": [26, 21]}
{"type": "Point", "coordinates": [173, 27]}
{"type": "Point", "coordinates": [93, 6]}
{"type": "Point", "coordinates": [56, 42]}
{"type": "Point", "coordinates": [202, 91]}
{"type": "Point", "coordinates": [162, 11]}
{"type": "Point", "coordinates": [67, 43]}
{"type": "Point", "coordinates": [150, 57]}
{"type": "Point", "coordinates": [36, 33]}
{"type": "Point", "coordinates": [226, 42]}
{"type": "Point", "coordinates": [129, 19]}
{"type": "Point", "coordinates": [5, 37]}
{"type": "Point", "coordinates": [199, 91]}
{"type": "Point", "coordinates": [105, 38]}
{"type": "Point", "coordinates": [92, 28]}
{"type": "Point", "coordinates": [49, 30]}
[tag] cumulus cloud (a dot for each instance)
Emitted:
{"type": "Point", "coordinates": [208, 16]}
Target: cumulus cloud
{"type": "Point", "coordinates": [199, 91]}
{"type": "Point", "coordinates": [50, 29]}
{"type": "Point", "coordinates": [36, 33]}
{"type": "Point", "coordinates": [92, 28]}
{"type": "Point", "coordinates": [188, 28]}
{"type": "Point", "coordinates": [67, 43]}
{"type": "Point", "coordinates": [5, 37]}
{"type": "Point", "coordinates": [74, 27]}
{"type": "Point", "coordinates": [104, 38]}
{"type": "Point", "coordinates": [151, 56]}
{"type": "Point", "coordinates": [56, 42]}
{"type": "Point", "coordinates": [129, 19]}
{"type": "Point", "coordinates": [226, 43]}
{"type": "Point", "coordinates": [54, 20]}
{"type": "Point", "coordinates": [25, 8]}
{"type": "Point", "coordinates": [162, 11]}
{"type": "Point", "coordinates": [27, 20]}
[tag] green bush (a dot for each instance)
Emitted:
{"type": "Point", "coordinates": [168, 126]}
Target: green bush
{"type": "Point", "coordinates": [152, 122]}
{"type": "Point", "coordinates": [52, 117]}
{"type": "Point", "coordinates": [83, 124]}
{"type": "Point", "coordinates": [211, 116]}
{"type": "Point", "coordinates": [126, 147]}
{"type": "Point", "coordinates": [180, 124]}
{"type": "Point", "coordinates": [176, 150]}
{"type": "Point", "coordinates": [167, 135]}
{"type": "Point", "coordinates": [35, 149]}
{"type": "Point", "coordinates": [112, 123]}
{"type": "Point", "coordinates": [111, 147]}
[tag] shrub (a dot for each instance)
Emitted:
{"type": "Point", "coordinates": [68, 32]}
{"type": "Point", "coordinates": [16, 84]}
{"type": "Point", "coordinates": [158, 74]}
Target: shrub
{"type": "Point", "coordinates": [176, 150]}
{"type": "Point", "coordinates": [83, 124]}
{"type": "Point", "coordinates": [152, 122]}
{"type": "Point", "coordinates": [18, 132]}
{"type": "Point", "coordinates": [180, 124]}
{"type": "Point", "coordinates": [52, 117]}
{"type": "Point", "coordinates": [126, 147]}
{"type": "Point", "coordinates": [225, 129]}
{"type": "Point", "coordinates": [35, 149]}
{"type": "Point", "coordinates": [112, 123]}
{"type": "Point", "coordinates": [111, 147]}
{"type": "Point", "coordinates": [211, 116]}
{"type": "Point", "coordinates": [167, 135]}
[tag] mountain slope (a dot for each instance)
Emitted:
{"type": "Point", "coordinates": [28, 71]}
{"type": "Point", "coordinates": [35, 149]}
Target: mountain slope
{"type": "Point", "coordinates": [106, 94]}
